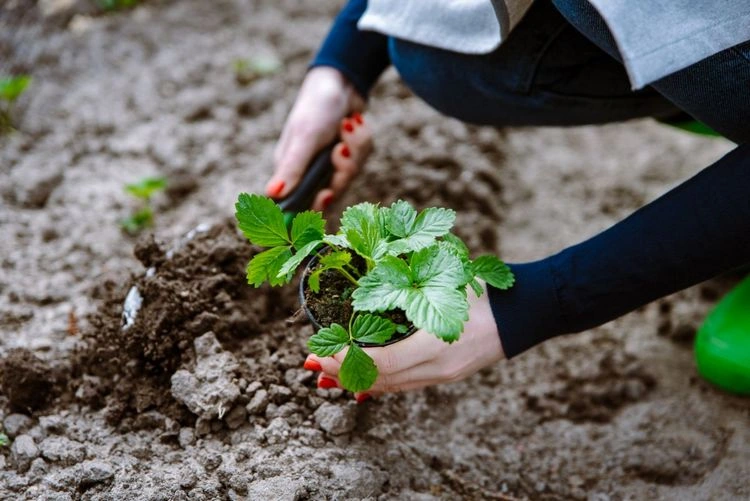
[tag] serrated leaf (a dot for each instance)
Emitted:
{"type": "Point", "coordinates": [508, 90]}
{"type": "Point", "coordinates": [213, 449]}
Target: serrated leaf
{"type": "Point", "coordinates": [329, 340]}
{"type": "Point", "coordinates": [358, 371]}
{"type": "Point", "coordinates": [266, 266]}
{"type": "Point", "coordinates": [493, 271]}
{"type": "Point", "coordinates": [314, 280]}
{"type": "Point", "coordinates": [293, 262]}
{"type": "Point", "coordinates": [429, 225]}
{"type": "Point", "coordinates": [478, 289]}
{"type": "Point", "coordinates": [401, 218]}
{"type": "Point", "coordinates": [438, 310]}
{"type": "Point", "coordinates": [336, 259]}
{"type": "Point", "coordinates": [457, 244]}
{"type": "Point", "coordinates": [261, 220]}
{"type": "Point", "coordinates": [362, 225]}
{"type": "Point", "coordinates": [437, 267]}
{"type": "Point", "coordinates": [384, 288]}
{"type": "Point", "coordinates": [369, 328]}
{"type": "Point", "coordinates": [146, 187]}
{"type": "Point", "coordinates": [306, 227]}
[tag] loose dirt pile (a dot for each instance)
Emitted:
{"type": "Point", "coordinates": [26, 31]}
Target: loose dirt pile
{"type": "Point", "coordinates": [203, 395]}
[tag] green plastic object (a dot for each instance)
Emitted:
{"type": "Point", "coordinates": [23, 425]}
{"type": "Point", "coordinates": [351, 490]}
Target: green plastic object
{"type": "Point", "coordinates": [722, 346]}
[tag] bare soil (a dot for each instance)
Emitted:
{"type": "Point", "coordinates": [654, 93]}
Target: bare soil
{"type": "Point", "coordinates": [204, 395]}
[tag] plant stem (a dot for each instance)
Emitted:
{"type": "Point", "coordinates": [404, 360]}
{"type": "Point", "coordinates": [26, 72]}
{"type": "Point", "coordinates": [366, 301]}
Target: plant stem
{"type": "Point", "coordinates": [347, 275]}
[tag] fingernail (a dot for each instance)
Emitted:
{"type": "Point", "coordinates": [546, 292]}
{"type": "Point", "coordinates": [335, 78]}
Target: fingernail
{"type": "Point", "coordinates": [358, 118]}
{"type": "Point", "coordinates": [348, 127]}
{"type": "Point", "coordinates": [345, 151]}
{"type": "Point", "coordinates": [327, 200]}
{"type": "Point", "coordinates": [312, 365]}
{"type": "Point", "coordinates": [274, 189]}
{"type": "Point", "coordinates": [327, 383]}
{"type": "Point", "coordinates": [363, 397]}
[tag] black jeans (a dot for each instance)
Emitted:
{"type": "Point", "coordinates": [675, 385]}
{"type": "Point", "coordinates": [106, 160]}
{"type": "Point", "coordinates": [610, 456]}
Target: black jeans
{"type": "Point", "coordinates": [560, 66]}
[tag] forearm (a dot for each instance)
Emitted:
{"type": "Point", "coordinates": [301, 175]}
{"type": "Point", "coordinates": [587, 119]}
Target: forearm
{"type": "Point", "coordinates": [694, 232]}
{"type": "Point", "coordinates": [361, 56]}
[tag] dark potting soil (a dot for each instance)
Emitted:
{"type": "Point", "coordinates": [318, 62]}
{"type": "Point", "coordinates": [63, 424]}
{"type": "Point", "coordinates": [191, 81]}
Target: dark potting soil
{"type": "Point", "coordinates": [28, 381]}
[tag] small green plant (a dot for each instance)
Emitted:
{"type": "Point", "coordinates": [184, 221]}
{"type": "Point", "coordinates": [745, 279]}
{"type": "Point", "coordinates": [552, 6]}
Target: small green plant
{"type": "Point", "coordinates": [11, 89]}
{"type": "Point", "coordinates": [409, 261]}
{"type": "Point", "coordinates": [248, 70]}
{"type": "Point", "coordinates": [143, 215]}
{"type": "Point", "coordinates": [4, 441]}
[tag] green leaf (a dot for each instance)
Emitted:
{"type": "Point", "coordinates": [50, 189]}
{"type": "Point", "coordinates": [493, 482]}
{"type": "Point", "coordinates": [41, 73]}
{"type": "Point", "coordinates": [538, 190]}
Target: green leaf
{"type": "Point", "coordinates": [336, 259]}
{"type": "Point", "coordinates": [401, 218]}
{"type": "Point", "coordinates": [429, 225]}
{"type": "Point", "coordinates": [329, 340]}
{"type": "Point", "coordinates": [314, 280]}
{"type": "Point", "coordinates": [306, 227]}
{"type": "Point", "coordinates": [146, 187]}
{"type": "Point", "coordinates": [478, 289]}
{"type": "Point", "coordinates": [369, 328]}
{"type": "Point", "coordinates": [11, 88]}
{"type": "Point", "coordinates": [337, 241]}
{"type": "Point", "coordinates": [141, 219]}
{"type": "Point", "coordinates": [293, 262]}
{"type": "Point", "coordinates": [261, 220]}
{"type": "Point", "coordinates": [266, 266]}
{"type": "Point", "coordinates": [457, 245]}
{"type": "Point", "coordinates": [438, 310]}
{"type": "Point", "coordinates": [4, 440]}
{"type": "Point", "coordinates": [384, 288]}
{"type": "Point", "coordinates": [362, 225]}
{"type": "Point", "coordinates": [358, 372]}
{"type": "Point", "coordinates": [493, 271]}
{"type": "Point", "coordinates": [437, 267]}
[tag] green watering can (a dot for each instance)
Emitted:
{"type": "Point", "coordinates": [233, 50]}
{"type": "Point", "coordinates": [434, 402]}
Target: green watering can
{"type": "Point", "coordinates": [722, 345]}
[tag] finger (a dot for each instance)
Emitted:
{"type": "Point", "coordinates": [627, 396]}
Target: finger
{"type": "Point", "coordinates": [330, 366]}
{"type": "Point", "coordinates": [323, 199]}
{"type": "Point", "coordinates": [326, 382]}
{"type": "Point", "coordinates": [291, 163]}
{"type": "Point", "coordinates": [346, 166]}
{"type": "Point", "coordinates": [359, 138]}
{"type": "Point", "coordinates": [416, 349]}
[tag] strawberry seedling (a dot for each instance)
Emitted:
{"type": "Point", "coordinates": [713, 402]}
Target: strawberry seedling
{"type": "Point", "coordinates": [393, 259]}
{"type": "Point", "coordinates": [143, 215]}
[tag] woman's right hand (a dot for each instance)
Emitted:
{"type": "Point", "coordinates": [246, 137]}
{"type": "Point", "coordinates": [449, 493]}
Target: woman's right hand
{"type": "Point", "coordinates": [327, 106]}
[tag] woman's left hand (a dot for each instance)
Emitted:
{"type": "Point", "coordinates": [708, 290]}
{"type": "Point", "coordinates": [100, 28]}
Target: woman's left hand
{"type": "Point", "coordinates": [424, 360]}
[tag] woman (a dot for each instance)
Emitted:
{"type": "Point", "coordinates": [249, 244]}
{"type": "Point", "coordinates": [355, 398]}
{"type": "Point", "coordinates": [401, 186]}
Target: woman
{"type": "Point", "coordinates": [546, 63]}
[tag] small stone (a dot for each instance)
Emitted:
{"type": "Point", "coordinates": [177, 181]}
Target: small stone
{"type": "Point", "coordinates": [236, 417]}
{"type": "Point", "coordinates": [15, 424]}
{"type": "Point", "coordinates": [279, 394]}
{"type": "Point", "coordinates": [149, 420]}
{"type": "Point", "coordinates": [202, 426]}
{"type": "Point", "coordinates": [186, 437]}
{"type": "Point", "coordinates": [93, 472]}
{"type": "Point", "coordinates": [62, 450]}
{"type": "Point", "coordinates": [277, 431]}
{"type": "Point", "coordinates": [258, 403]}
{"type": "Point", "coordinates": [52, 424]}
{"type": "Point", "coordinates": [311, 437]}
{"type": "Point", "coordinates": [37, 469]}
{"type": "Point", "coordinates": [286, 410]}
{"type": "Point", "coordinates": [23, 452]}
{"type": "Point", "coordinates": [335, 419]}
{"type": "Point", "coordinates": [253, 387]}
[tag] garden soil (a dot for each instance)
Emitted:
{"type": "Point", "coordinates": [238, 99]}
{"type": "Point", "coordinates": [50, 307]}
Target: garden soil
{"type": "Point", "coordinates": [201, 394]}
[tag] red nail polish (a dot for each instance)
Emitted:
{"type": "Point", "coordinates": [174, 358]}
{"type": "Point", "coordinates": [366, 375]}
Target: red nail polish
{"type": "Point", "coordinates": [327, 383]}
{"type": "Point", "coordinates": [312, 365]}
{"type": "Point", "coordinates": [358, 118]}
{"type": "Point", "coordinates": [274, 190]}
{"type": "Point", "coordinates": [348, 127]}
{"type": "Point", "coordinates": [327, 200]}
{"type": "Point", "coordinates": [363, 397]}
{"type": "Point", "coordinates": [345, 151]}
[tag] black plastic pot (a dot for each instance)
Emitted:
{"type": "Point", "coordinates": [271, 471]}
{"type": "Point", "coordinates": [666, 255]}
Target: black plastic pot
{"type": "Point", "coordinates": [303, 284]}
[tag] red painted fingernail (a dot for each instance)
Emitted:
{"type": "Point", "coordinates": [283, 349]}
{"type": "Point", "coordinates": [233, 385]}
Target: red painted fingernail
{"type": "Point", "coordinates": [348, 127]}
{"type": "Point", "coordinates": [327, 383]}
{"type": "Point", "coordinates": [363, 397]}
{"type": "Point", "coordinates": [274, 189]}
{"type": "Point", "coordinates": [358, 118]}
{"type": "Point", "coordinates": [327, 200]}
{"type": "Point", "coordinates": [312, 365]}
{"type": "Point", "coordinates": [345, 152]}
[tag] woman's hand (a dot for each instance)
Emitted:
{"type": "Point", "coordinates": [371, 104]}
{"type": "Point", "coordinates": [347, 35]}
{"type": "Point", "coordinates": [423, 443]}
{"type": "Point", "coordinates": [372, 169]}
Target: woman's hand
{"type": "Point", "coordinates": [422, 359]}
{"type": "Point", "coordinates": [320, 113]}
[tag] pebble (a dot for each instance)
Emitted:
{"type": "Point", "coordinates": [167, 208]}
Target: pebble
{"type": "Point", "coordinates": [23, 452]}
{"type": "Point", "coordinates": [253, 387]}
{"type": "Point", "coordinates": [37, 469]}
{"type": "Point", "coordinates": [15, 424]}
{"type": "Point", "coordinates": [52, 424]}
{"type": "Point", "coordinates": [335, 419]}
{"type": "Point", "coordinates": [93, 472]}
{"type": "Point", "coordinates": [277, 431]}
{"type": "Point", "coordinates": [186, 437]}
{"type": "Point", "coordinates": [258, 403]}
{"type": "Point", "coordinates": [236, 417]}
{"type": "Point", "coordinates": [279, 394]}
{"type": "Point", "coordinates": [62, 450]}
